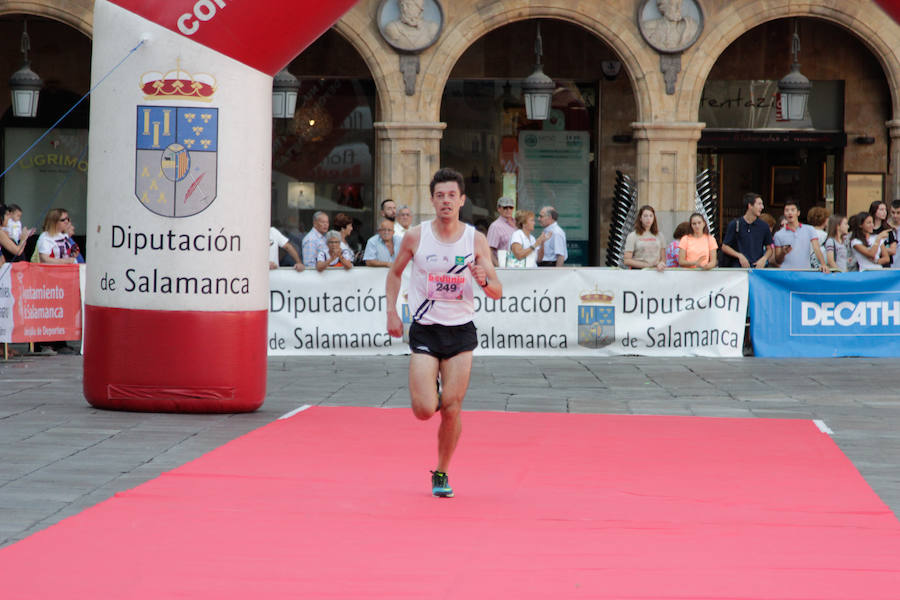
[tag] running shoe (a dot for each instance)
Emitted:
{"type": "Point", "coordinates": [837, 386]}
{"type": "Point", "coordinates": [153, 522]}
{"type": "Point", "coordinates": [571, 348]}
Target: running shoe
{"type": "Point", "coordinates": [440, 487]}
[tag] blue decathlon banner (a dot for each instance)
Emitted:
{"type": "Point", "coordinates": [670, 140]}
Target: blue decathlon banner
{"type": "Point", "coordinates": [796, 313]}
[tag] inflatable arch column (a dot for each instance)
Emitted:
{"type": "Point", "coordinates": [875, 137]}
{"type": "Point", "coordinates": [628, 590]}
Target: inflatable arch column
{"type": "Point", "coordinates": [179, 198]}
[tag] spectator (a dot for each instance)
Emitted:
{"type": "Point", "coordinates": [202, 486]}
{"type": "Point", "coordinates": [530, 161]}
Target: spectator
{"type": "Point", "coordinates": [278, 240]}
{"type": "Point", "coordinates": [74, 250]}
{"type": "Point", "coordinates": [645, 247]}
{"type": "Point", "coordinates": [381, 249]}
{"type": "Point", "coordinates": [334, 256]}
{"type": "Point", "coordinates": [344, 225]}
{"type": "Point", "coordinates": [13, 249]}
{"type": "Point", "coordinates": [523, 248]}
{"type": "Point", "coordinates": [501, 230]}
{"type": "Point", "coordinates": [836, 243]}
{"type": "Point", "coordinates": [878, 212]}
{"type": "Point", "coordinates": [388, 210]}
{"type": "Point", "coordinates": [683, 229]}
{"type": "Point", "coordinates": [698, 248]}
{"type": "Point", "coordinates": [404, 220]}
{"type": "Point", "coordinates": [817, 217]}
{"type": "Point", "coordinates": [314, 241]}
{"type": "Point", "coordinates": [52, 248]}
{"type": "Point", "coordinates": [894, 223]}
{"type": "Point", "coordinates": [795, 241]}
{"type": "Point", "coordinates": [748, 239]}
{"type": "Point", "coordinates": [13, 226]}
{"type": "Point", "coordinates": [867, 245]}
{"type": "Point", "coordinates": [554, 252]}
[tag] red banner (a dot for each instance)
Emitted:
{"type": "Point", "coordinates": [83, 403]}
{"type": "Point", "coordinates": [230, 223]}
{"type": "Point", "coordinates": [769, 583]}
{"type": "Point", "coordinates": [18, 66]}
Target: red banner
{"type": "Point", "coordinates": [264, 35]}
{"type": "Point", "coordinates": [43, 303]}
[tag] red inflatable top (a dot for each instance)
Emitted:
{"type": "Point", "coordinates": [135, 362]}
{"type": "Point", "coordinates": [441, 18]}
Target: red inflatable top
{"type": "Point", "coordinates": [892, 7]}
{"type": "Point", "coordinates": [264, 35]}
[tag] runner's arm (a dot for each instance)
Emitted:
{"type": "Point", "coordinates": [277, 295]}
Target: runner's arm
{"type": "Point", "coordinates": [483, 268]}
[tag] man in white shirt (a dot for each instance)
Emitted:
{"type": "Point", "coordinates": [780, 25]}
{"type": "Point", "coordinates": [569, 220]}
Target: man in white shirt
{"type": "Point", "coordinates": [449, 258]}
{"type": "Point", "coordinates": [404, 220]}
{"type": "Point", "coordinates": [794, 240]}
{"type": "Point", "coordinates": [314, 241]}
{"type": "Point", "coordinates": [553, 253]}
{"type": "Point", "coordinates": [279, 240]}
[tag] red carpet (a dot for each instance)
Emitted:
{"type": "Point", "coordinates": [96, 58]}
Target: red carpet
{"type": "Point", "coordinates": [335, 503]}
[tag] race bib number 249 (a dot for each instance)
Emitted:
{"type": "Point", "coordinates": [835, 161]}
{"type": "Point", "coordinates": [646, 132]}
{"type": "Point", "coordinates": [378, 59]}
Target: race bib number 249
{"type": "Point", "coordinates": [445, 286]}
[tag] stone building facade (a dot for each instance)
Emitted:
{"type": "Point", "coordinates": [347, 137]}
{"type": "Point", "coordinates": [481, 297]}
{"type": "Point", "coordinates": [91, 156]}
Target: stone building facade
{"type": "Point", "coordinates": [635, 122]}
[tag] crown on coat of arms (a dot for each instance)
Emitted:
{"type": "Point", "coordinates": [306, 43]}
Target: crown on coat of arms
{"type": "Point", "coordinates": [596, 296]}
{"type": "Point", "coordinates": [178, 84]}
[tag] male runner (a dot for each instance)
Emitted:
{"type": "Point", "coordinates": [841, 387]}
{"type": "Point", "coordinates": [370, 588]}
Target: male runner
{"type": "Point", "coordinates": [449, 259]}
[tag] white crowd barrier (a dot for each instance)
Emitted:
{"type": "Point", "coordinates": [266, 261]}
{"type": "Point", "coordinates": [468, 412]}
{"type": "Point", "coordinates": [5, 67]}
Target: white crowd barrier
{"type": "Point", "coordinates": [567, 311]}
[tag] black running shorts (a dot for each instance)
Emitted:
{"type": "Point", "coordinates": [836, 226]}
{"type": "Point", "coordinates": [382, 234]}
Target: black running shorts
{"type": "Point", "coordinates": [442, 341]}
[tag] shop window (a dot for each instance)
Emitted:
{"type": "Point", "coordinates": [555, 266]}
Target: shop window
{"type": "Point", "coordinates": [322, 159]}
{"type": "Point", "coordinates": [500, 152]}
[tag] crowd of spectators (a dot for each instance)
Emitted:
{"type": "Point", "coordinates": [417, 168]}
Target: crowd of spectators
{"type": "Point", "coordinates": [825, 242]}
{"type": "Point", "coordinates": [54, 246]}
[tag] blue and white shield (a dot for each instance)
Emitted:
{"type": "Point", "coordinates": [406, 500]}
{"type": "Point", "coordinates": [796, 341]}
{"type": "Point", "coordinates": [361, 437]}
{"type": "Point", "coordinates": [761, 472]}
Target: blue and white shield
{"type": "Point", "coordinates": [176, 159]}
{"type": "Point", "coordinates": [596, 326]}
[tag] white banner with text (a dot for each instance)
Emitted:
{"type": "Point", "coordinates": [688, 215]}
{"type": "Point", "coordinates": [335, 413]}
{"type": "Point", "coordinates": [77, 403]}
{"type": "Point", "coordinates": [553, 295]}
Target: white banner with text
{"type": "Point", "coordinates": [572, 311]}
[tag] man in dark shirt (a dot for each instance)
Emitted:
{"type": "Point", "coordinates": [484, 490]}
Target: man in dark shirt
{"type": "Point", "coordinates": [748, 239]}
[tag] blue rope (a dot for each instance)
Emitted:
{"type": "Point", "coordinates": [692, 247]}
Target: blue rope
{"type": "Point", "coordinates": [74, 106]}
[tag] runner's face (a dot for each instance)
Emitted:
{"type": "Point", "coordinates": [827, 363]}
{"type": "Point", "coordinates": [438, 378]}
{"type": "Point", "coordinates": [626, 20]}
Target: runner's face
{"type": "Point", "coordinates": [446, 199]}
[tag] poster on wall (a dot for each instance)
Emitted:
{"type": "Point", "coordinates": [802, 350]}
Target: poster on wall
{"type": "Point", "coordinates": [54, 171]}
{"type": "Point", "coordinates": [554, 169]}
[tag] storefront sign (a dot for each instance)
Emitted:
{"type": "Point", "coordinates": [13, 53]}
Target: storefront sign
{"type": "Point", "coordinates": [576, 312]}
{"type": "Point", "coordinates": [39, 302]}
{"type": "Point", "coordinates": [817, 315]}
{"type": "Point", "coordinates": [762, 138]}
{"type": "Point", "coordinates": [55, 169]}
{"type": "Point", "coordinates": [754, 104]}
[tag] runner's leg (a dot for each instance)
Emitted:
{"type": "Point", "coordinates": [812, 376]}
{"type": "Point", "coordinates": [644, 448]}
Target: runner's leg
{"type": "Point", "coordinates": [455, 373]}
{"type": "Point", "coordinates": [423, 370]}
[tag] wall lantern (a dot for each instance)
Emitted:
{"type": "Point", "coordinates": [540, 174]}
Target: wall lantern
{"type": "Point", "coordinates": [538, 88]}
{"type": "Point", "coordinates": [285, 88]}
{"type": "Point", "coordinates": [794, 87]}
{"type": "Point", "coordinates": [25, 85]}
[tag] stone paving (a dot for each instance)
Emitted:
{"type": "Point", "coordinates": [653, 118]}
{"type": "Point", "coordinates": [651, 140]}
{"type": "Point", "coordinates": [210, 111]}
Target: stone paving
{"type": "Point", "coordinates": [58, 455]}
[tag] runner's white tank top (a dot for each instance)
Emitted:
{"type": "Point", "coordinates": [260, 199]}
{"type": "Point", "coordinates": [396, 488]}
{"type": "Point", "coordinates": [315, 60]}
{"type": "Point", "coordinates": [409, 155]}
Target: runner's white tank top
{"type": "Point", "coordinates": [440, 287]}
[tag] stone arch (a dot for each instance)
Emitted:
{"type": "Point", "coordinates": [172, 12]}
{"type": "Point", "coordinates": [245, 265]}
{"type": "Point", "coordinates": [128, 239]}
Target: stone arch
{"type": "Point", "coordinates": [862, 21]}
{"type": "Point", "coordinates": [369, 49]}
{"type": "Point", "coordinates": [612, 26]}
{"type": "Point", "coordinates": [78, 15]}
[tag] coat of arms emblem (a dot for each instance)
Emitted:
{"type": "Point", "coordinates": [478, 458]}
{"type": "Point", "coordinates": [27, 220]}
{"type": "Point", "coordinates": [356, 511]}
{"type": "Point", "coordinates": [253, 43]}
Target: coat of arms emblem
{"type": "Point", "coordinates": [175, 174]}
